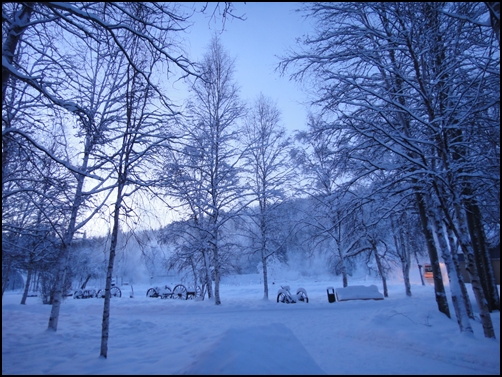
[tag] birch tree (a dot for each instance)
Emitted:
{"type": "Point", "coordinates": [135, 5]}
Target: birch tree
{"type": "Point", "coordinates": [215, 110]}
{"type": "Point", "coordinates": [402, 249]}
{"type": "Point", "coordinates": [269, 170]}
{"type": "Point", "coordinates": [44, 30]}
{"type": "Point", "coordinates": [25, 27]}
{"type": "Point", "coordinates": [332, 219]}
{"type": "Point", "coordinates": [183, 179]}
{"type": "Point", "coordinates": [141, 132]}
{"type": "Point", "coordinates": [416, 89]}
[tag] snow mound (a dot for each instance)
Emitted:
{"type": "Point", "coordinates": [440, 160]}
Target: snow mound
{"type": "Point", "coordinates": [358, 292]}
{"type": "Point", "coordinates": [254, 350]}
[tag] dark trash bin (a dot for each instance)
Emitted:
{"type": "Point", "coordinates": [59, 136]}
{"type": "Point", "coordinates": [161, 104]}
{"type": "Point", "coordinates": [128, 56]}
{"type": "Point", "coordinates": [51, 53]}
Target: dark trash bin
{"type": "Point", "coordinates": [331, 294]}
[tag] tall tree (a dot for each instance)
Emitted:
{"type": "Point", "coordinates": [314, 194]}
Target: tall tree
{"type": "Point", "coordinates": [100, 87]}
{"type": "Point", "coordinates": [269, 170]}
{"type": "Point", "coordinates": [53, 34]}
{"type": "Point", "coordinates": [332, 220]}
{"type": "Point", "coordinates": [39, 30]}
{"type": "Point", "coordinates": [215, 110]}
{"type": "Point", "coordinates": [395, 75]}
{"type": "Point", "coordinates": [141, 132]}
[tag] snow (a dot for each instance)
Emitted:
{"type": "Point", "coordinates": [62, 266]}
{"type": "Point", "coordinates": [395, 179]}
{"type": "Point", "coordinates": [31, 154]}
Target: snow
{"type": "Point", "coordinates": [358, 292]}
{"type": "Point", "coordinates": [249, 335]}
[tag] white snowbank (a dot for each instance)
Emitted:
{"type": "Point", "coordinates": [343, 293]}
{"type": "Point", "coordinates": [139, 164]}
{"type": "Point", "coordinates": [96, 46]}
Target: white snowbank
{"type": "Point", "coordinates": [358, 292]}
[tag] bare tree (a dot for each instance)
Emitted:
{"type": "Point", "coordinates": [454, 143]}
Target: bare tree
{"type": "Point", "coordinates": [269, 172]}
{"type": "Point", "coordinates": [102, 100]}
{"type": "Point", "coordinates": [386, 74]}
{"type": "Point", "coordinates": [215, 109]}
{"type": "Point", "coordinates": [40, 29]}
{"type": "Point", "coordinates": [332, 219]}
{"type": "Point", "coordinates": [143, 134]}
{"type": "Point", "coordinates": [113, 19]}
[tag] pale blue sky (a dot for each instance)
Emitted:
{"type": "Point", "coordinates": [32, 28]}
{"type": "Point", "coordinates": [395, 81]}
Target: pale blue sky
{"type": "Point", "coordinates": [269, 30]}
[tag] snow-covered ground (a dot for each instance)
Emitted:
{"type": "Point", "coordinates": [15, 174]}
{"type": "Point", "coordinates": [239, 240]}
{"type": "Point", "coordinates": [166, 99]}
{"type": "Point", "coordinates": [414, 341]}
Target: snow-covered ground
{"type": "Point", "coordinates": [247, 335]}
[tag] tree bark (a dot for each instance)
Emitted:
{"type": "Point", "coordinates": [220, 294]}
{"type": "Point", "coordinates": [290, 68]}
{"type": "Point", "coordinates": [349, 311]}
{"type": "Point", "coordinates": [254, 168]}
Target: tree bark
{"type": "Point", "coordinates": [439, 290]}
{"type": "Point", "coordinates": [380, 270]}
{"type": "Point", "coordinates": [217, 299]}
{"type": "Point", "coordinates": [454, 255]}
{"type": "Point", "coordinates": [68, 238]}
{"type": "Point", "coordinates": [27, 286]}
{"type": "Point", "coordinates": [84, 284]}
{"type": "Point", "coordinates": [265, 277]}
{"type": "Point", "coordinates": [484, 312]}
{"type": "Point", "coordinates": [105, 325]}
{"type": "Point", "coordinates": [209, 282]}
{"type": "Point", "coordinates": [5, 275]}
{"type": "Point", "coordinates": [456, 293]}
{"type": "Point", "coordinates": [21, 20]}
{"type": "Point", "coordinates": [404, 255]}
{"type": "Point", "coordinates": [482, 257]}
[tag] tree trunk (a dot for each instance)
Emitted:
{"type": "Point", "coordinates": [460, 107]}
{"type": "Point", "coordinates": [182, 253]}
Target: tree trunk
{"type": "Point", "coordinates": [5, 275]}
{"type": "Point", "coordinates": [482, 257]}
{"type": "Point", "coordinates": [36, 282]}
{"type": "Point", "coordinates": [484, 312]}
{"type": "Point", "coordinates": [439, 290]}
{"type": "Point", "coordinates": [26, 286]}
{"type": "Point", "coordinates": [209, 283]}
{"type": "Point", "coordinates": [454, 255]}
{"type": "Point", "coordinates": [405, 265]}
{"type": "Point", "coordinates": [380, 270]}
{"type": "Point", "coordinates": [217, 299]}
{"type": "Point", "coordinates": [458, 226]}
{"type": "Point", "coordinates": [59, 286]}
{"type": "Point", "coordinates": [85, 282]}
{"type": "Point", "coordinates": [68, 238]}
{"type": "Point", "coordinates": [419, 268]}
{"type": "Point", "coordinates": [406, 275]}
{"type": "Point", "coordinates": [342, 263]}
{"type": "Point", "coordinates": [404, 256]}
{"type": "Point", "coordinates": [105, 325]}
{"type": "Point", "coordinates": [195, 276]}
{"type": "Point", "coordinates": [456, 293]}
{"type": "Point", "coordinates": [265, 277]}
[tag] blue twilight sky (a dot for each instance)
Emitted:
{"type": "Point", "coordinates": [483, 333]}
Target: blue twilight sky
{"type": "Point", "coordinates": [269, 30]}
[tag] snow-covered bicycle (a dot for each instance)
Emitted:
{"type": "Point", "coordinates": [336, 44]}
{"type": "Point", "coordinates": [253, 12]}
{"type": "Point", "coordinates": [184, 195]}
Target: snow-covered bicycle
{"type": "Point", "coordinates": [179, 292]}
{"type": "Point", "coordinates": [114, 292]}
{"type": "Point", "coordinates": [284, 295]}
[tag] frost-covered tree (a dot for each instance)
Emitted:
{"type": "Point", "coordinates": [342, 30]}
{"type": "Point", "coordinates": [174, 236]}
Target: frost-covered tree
{"type": "Point", "coordinates": [396, 76]}
{"type": "Point", "coordinates": [23, 22]}
{"type": "Point", "coordinates": [214, 191]}
{"type": "Point", "coordinates": [80, 49]}
{"type": "Point", "coordinates": [141, 132]}
{"type": "Point", "coordinates": [402, 246]}
{"type": "Point", "coordinates": [269, 171]}
{"type": "Point", "coordinates": [39, 31]}
{"type": "Point", "coordinates": [32, 212]}
{"type": "Point", "coordinates": [332, 219]}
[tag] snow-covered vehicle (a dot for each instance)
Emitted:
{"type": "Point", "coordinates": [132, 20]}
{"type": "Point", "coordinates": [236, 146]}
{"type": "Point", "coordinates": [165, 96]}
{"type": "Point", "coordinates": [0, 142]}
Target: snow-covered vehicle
{"type": "Point", "coordinates": [84, 293]}
{"type": "Point", "coordinates": [114, 292]}
{"type": "Point", "coordinates": [155, 292]}
{"type": "Point", "coordinates": [179, 292]}
{"type": "Point", "coordinates": [284, 295]}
